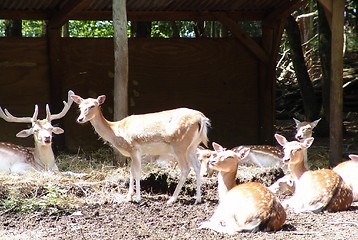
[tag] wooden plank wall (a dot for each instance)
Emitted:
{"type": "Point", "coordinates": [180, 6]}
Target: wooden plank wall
{"type": "Point", "coordinates": [23, 83]}
{"type": "Point", "coordinates": [216, 76]}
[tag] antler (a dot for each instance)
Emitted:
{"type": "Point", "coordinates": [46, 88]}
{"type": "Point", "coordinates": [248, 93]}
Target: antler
{"type": "Point", "coordinates": [67, 106]}
{"type": "Point", "coordinates": [10, 118]}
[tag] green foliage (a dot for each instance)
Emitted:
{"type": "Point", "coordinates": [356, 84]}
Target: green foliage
{"type": "Point", "coordinates": [32, 28]}
{"type": "Point", "coordinates": [91, 29]}
{"type": "Point", "coordinates": [2, 28]}
{"type": "Point", "coordinates": [52, 200]}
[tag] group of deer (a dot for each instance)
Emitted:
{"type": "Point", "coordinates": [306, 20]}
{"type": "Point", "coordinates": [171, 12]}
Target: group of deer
{"type": "Point", "coordinates": [313, 191]}
{"type": "Point", "coordinates": [178, 133]}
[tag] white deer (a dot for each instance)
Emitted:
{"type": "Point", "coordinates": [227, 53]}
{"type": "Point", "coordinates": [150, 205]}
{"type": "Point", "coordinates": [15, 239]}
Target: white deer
{"type": "Point", "coordinates": [177, 132]}
{"type": "Point", "coordinates": [19, 159]}
{"type": "Point", "coordinates": [315, 191]}
{"type": "Point", "coordinates": [244, 207]}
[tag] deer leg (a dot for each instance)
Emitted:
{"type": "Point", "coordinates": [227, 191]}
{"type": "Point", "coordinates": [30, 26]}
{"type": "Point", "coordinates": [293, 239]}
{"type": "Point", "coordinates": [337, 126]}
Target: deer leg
{"type": "Point", "coordinates": [196, 165]}
{"type": "Point", "coordinates": [135, 175]}
{"type": "Point", "coordinates": [184, 169]}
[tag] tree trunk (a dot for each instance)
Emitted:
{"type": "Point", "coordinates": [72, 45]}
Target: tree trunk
{"type": "Point", "coordinates": [324, 48]}
{"type": "Point", "coordinates": [199, 29]}
{"type": "Point", "coordinates": [120, 66]}
{"type": "Point", "coordinates": [143, 29]}
{"type": "Point", "coordinates": [13, 28]}
{"type": "Point", "coordinates": [175, 28]}
{"type": "Point", "coordinates": [310, 103]}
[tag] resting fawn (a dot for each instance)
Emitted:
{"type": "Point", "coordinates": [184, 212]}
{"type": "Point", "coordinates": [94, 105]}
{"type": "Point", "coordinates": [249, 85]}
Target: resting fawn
{"type": "Point", "coordinates": [244, 207]}
{"type": "Point", "coordinates": [316, 191]}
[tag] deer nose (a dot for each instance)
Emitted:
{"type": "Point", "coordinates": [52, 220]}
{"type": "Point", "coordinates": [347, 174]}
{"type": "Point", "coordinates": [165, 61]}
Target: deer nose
{"type": "Point", "coordinates": [80, 119]}
{"type": "Point", "coordinates": [299, 137]}
{"type": "Point", "coordinates": [47, 139]}
{"type": "Point", "coordinates": [212, 162]}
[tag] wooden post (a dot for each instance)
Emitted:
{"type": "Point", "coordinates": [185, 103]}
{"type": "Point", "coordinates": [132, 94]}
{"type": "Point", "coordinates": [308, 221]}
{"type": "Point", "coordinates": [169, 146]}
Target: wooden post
{"type": "Point", "coordinates": [271, 36]}
{"type": "Point", "coordinates": [55, 86]}
{"type": "Point", "coordinates": [336, 91]}
{"type": "Point", "coordinates": [120, 39]}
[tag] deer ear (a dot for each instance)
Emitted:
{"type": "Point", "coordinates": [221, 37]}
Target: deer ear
{"type": "Point", "coordinates": [217, 147]}
{"type": "Point", "coordinates": [243, 152]}
{"type": "Point", "coordinates": [314, 123]}
{"type": "Point", "coordinates": [101, 99]}
{"type": "Point", "coordinates": [353, 157]}
{"type": "Point", "coordinates": [281, 139]}
{"type": "Point", "coordinates": [58, 130]}
{"type": "Point", "coordinates": [77, 99]}
{"type": "Point", "coordinates": [296, 121]}
{"type": "Point", "coordinates": [307, 142]}
{"type": "Point", "coordinates": [25, 133]}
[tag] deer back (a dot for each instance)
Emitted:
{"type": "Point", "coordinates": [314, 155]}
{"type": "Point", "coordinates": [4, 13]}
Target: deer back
{"type": "Point", "coordinates": [15, 158]}
{"type": "Point", "coordinates": [348, 170]}
{"type": "Point", "coordinates": [323, 190]}
{"type": "Point", "coordinates": [255, 207]}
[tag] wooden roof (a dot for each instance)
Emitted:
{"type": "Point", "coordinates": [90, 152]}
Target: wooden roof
{"type": "Point", "coordinates": [63, 10]}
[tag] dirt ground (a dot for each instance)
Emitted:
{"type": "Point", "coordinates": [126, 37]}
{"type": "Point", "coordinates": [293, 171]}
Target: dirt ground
{"type": "Point", "coordinates": [154, 219]}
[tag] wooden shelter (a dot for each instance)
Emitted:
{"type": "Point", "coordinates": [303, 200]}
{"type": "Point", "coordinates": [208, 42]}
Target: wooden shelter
{"type": "Point", "coordinates": [231, 80]}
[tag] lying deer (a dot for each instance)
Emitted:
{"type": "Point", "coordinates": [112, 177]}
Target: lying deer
{"type": "Point", "coordinates": [264, 156]}
{"type": "Point", "coordinates": [348, 170]}
{"type": "Point", "coordinates": [177, 132]}
{"type": "Point", "coordinates": [19, 159]}
{"type": "Point", "coordinates": [244, 207]}
{"type": "Point", "coordinates": [304, 130]}
{"type": "Point", "coordinates": [315, 191]}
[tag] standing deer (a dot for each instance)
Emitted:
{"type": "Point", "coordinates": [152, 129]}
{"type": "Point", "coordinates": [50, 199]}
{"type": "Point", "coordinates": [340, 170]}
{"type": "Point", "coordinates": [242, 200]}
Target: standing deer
{"type": "Point", "coordinates": [177, 132]}
{"type": "Point", "coordinates": [316, 191]}
{"type": "Point", "coordinates": [19, 159]}
{"type": "Point", "coordinates": [244, 207]}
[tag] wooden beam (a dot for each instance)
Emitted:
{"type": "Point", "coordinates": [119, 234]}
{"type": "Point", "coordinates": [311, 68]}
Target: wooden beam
{"type": "Point", "coordinates": [242, 36]}
{"type": "Point", "coordinates": [131, 15]}
{"type": "Point", "coordinates": [120, 65]}
{"type": "Point", "coordinates": [61, 17]}
{"type": "Point", "coordinates": [328, 8]}
{"type": "Point", "coordinates": [283, 11]}
{"type": "Point", "coordinates": [26, 15]}
{"type": "Point", "coordinates": [336, 91]}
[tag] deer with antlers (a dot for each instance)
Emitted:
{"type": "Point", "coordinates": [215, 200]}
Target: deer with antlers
{"type": "Point", "coordinates": [177, 132]}
{"type": "Point", "coordinates": [19, 159]}
{"type": "Point", "coordinates": [315, 191]}
{"type": "Point", "coordinates": [244, 207]}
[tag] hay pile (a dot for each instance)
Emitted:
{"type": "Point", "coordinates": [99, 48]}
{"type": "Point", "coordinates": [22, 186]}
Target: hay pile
{"type": "Point", "coordinates": [91, 179]}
